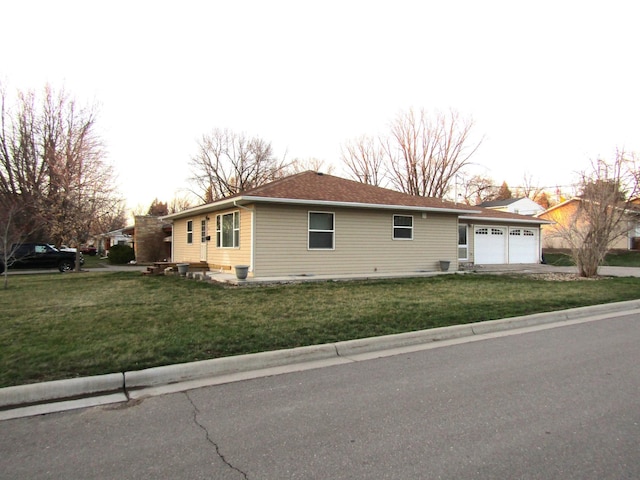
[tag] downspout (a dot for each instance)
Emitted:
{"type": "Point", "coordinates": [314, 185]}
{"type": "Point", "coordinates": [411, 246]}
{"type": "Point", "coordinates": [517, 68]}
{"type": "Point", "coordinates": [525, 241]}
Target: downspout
{"type": "Point", "coordinates": [172, 240]}
{"type": "Point", "coordinates": [253, 229]}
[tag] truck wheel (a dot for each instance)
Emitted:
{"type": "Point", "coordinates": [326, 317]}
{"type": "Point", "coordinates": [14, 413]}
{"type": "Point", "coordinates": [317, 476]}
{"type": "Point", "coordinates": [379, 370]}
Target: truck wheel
{"type": "Point", "coordinates": [65, 266]}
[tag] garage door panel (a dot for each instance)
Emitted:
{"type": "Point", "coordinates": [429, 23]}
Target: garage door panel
{"type": "Point", "coordinates": [523, 245]}
{"type": "Point", "coordinates": [490, 245]}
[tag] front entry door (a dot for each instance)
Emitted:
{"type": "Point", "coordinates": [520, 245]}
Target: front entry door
{"type": "Point", "coordinates": [203, 240]}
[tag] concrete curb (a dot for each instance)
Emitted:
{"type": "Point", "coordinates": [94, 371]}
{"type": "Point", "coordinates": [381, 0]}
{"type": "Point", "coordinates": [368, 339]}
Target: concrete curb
{"type": "Point", "coordinates": [61, 392]}
{"type": "Point", "coordinates": [58, 390]}
{"type": "Point", "coordinates": [226, 365]}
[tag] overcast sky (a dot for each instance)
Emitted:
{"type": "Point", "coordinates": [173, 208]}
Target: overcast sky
{"type": "Point", "coordinates": [550, 84]}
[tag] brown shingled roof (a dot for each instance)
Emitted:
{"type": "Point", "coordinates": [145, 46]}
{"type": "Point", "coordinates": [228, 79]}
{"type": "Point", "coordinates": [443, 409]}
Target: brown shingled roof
{"type": "Point", "coordinates": [313, 186]}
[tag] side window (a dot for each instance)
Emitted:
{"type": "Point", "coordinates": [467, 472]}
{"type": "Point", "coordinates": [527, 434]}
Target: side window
{"type": "Point", "coordinates": [403, 227]}
{"type": "Point", "coordinates": [321, 231]}
{"type": "Point", "coordinates": [190, 231]}
{"type": "Point", "coordinates": [228, 230]}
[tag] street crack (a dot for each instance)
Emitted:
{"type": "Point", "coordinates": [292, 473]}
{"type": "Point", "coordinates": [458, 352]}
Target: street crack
{"type": "Point", "coordinates": [215, 446]}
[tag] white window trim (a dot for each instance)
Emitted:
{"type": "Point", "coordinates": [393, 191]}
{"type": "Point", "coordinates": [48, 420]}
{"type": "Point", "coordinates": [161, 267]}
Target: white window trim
{"type": "Point", "coordinates": [189, 231]}
{"type": "Point", "coordinates": [393, 227]}
{"type": "Point", "coordinates": [463, 245]}
{"type": "Point", "coordinates": [333, 231]}
{"type": "Point", "coordinates": [219, 221]}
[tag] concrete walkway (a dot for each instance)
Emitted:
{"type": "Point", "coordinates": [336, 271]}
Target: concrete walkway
{"type": "Point", "coordinates": [540, 268]}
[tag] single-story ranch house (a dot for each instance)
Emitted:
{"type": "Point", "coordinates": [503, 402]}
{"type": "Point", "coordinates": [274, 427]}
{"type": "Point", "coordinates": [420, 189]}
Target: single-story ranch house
{"type": "Point", "coordinates": [316, 224]}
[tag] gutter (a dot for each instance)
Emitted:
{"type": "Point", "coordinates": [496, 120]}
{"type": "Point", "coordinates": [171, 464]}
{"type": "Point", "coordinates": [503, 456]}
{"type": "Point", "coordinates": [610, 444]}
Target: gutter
{"type": "Point", "coordinates": [506, 220]}
{"type": "Point", "coordinates": [226, 203]}
{"type": "Point", "coordinates": [294, 201]}
{"type": "Point", "coordinates": [253, 230]}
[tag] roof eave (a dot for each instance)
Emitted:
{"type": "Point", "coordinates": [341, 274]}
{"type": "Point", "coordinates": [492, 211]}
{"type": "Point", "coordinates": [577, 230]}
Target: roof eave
{"type": "Point", "coordinates": [499, 219]}
{"type": "Point", "coordinates": [201, 209]}
{"type": "Point", "coordinates": [332, 203]}
{"type": "Point", "coordinates": [246, 199]}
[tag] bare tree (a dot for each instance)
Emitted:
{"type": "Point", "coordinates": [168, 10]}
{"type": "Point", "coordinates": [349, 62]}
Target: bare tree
{"type": "Point", "coordinates": [80, 184]}
{"type": "Point", "coordinates": [602, 213]}
{"type": "Point", "coordinates": [365, 157]}
{"type": "Point", "coordinates": [110, 220]}
{"type": "Point", "coordinates": [228, 163]}
{"type": "Point", "coordinates": [299, 165]}
{"type": "Point", "coordinates": [426, 153]}
{"type": "Point", "coordinates": [477, 189]}
{"type": "Point", "coordinates": [23, 172]}
{"type": "Point", "coordinates": [12, 231]}
{"type": "Point", "coordinates": [178, 204]}
{"type": "Point", "coordinates": [52, 157]}
{"type": "Point", "coordinates": [529, 188]}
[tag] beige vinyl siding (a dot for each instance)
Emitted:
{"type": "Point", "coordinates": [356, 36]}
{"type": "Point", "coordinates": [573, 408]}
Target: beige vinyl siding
{"type": "Point", "coordinates": [231, 256]}
{"type": "Point", "coordinates": [363, 242]}
{"type": "Point", "coordinates": [183, 251]}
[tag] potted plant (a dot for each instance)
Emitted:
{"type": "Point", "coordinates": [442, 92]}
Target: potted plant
{"type": "Point", "coordinates": [182, 269]}
{"type": "Point", "coordinates": [242, 271]}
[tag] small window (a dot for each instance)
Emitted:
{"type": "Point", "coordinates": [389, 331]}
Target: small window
{"type": "Point", "coordinates": [515, 232]}
{"type": "Point", "coordinates": [528, 233]}
{"type": "Point", "coordinates": [321, 231]}
{"type": "Point", "coordinates": [228, 230]}
{"type": "Point", "coordinates": [496, 231]}
{"type": "Point", "coordinates": [402, 227]}
{"type": "Point", "coordinates": [463, 246]}
{"type": "Point", "coordinates": [190, 231]}
{"type": "Point", "coordinates": [482, 231]}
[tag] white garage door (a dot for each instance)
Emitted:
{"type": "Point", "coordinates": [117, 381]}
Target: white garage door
{"type": "Point", "coordinates": [523, 245]}
{"type": "Point", "coordinates": [490, 245]}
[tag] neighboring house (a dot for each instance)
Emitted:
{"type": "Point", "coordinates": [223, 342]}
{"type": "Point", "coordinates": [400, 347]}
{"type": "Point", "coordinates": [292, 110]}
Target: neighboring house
{"type": "Point", "coordinates": [522, 206]}
{"type": "Point", "coordinates": [563, 216]}
{"type": "Point", "coordinates": [311, 223]}
{"type": "Point", "coordinates": [115, 237]}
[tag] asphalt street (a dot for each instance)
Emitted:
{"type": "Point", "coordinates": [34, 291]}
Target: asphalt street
{"type": "Point", "coordinates": [556, 403]}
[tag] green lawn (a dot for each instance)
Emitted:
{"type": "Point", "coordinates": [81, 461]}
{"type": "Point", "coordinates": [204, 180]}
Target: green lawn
{"type": "Point", "coordinates": [66, 325]}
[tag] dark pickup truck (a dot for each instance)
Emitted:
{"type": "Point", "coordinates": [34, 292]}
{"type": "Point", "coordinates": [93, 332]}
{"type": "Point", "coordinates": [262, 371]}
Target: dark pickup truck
{"type": "Point", "coordinates": [40, 255]}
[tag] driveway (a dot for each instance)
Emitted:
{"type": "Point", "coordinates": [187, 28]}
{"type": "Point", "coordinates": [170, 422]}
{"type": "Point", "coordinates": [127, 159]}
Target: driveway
{"type": "Point", "coordinates": [542, 268]}
{"type": "Point", "coordinates": [105, 268]}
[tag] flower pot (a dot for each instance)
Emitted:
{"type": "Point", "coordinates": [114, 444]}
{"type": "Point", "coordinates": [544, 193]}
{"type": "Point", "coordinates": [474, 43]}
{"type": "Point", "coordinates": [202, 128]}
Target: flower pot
{"type": "Point", "coordinates": [182, 269]}
{"type": "Point", "coordinates": [444, 265]}
{"type": "Point", "coordinates": [242, 271]}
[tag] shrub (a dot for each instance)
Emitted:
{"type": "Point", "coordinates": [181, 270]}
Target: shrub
{"type": "Point", "coordinates": [120, 254]}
